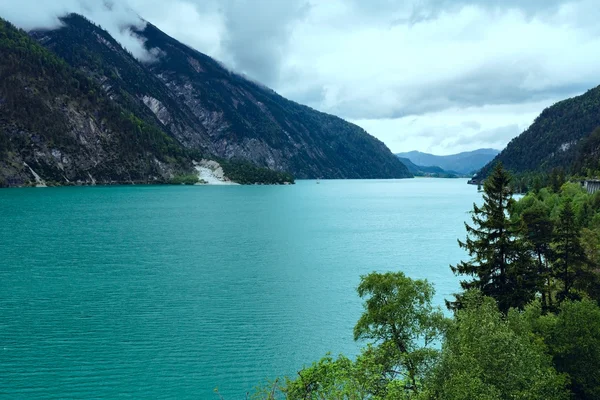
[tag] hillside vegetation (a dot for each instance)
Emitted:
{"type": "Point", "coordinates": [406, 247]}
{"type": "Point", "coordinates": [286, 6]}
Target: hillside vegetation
{"type": "Point", "coordinates": [57, 122]}
{"type": "Point", "coordinates": [555, 139]}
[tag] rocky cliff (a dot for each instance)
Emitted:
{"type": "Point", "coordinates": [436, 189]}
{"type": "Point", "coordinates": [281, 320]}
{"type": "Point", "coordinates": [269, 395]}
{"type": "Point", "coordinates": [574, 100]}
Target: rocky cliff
{"type": "Point", "coordinates": [57, 125]}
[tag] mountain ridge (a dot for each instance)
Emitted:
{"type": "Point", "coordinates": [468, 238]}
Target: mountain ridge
{"type": "Point", "coordinates": [429, 171]}
{"type": "Point", "coordinates": [163, 119]}
{"type": "Point", "coordinates": [465, 163]}
{"type": "Point", "coordinates": [555, 138]}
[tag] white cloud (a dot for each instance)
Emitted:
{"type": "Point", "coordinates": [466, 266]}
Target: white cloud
{"type": "Point", "coordinates": [455, 130]}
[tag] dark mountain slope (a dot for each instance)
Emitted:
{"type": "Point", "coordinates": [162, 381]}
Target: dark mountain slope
{"type": "Point", "coordinates": [248, 121]}
{"type": "Point", "coordinates": [587, 158]}
{"type": "Point", "coordinates": [92, 50]}
{"type": "Point", "coordinates": [57, 123]}
{"type": "Point", "coordinates": [552, 140]}
{"type": "Point", "coordinates": [463, 163]}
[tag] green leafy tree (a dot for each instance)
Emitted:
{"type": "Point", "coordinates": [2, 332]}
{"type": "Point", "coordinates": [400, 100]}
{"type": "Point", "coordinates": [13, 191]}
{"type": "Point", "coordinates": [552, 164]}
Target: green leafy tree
{"type": "Point", "coordinates": [327, 378]}
{"type": "Point", "coordinates": [498, 266]}
{"type": "Point", "coordinates": [573, 339]}
{"type": "Point", "coordinates": [401, 322]}
{"type": "Point", "coordinates": [490, 357]}
{"type": "Point", "coordinates": [403, 329]}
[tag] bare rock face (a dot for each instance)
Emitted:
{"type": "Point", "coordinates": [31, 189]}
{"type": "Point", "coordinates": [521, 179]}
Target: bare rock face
{"type": "Point", "coordinates": [157, 109]}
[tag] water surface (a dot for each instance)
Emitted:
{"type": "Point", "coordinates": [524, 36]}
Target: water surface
{"type": "Point", "coordinates": [169, 292]}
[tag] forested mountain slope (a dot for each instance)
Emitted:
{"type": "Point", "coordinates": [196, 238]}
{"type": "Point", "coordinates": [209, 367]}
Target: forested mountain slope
{"type": "Point", "coordinates": [555, 137]}
{"type": "Point", "coordinates": [209, 109]}
{"type": "Point", "coordinates": [58, 124]}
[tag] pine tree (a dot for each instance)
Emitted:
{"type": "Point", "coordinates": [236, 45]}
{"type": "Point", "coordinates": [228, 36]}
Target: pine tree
{"type": "Point", "coordinates": [537, 232]}
{"type": "Point", "coordinates": [570, 260]}
{"type": "Point", "coordinates": [499, 266]}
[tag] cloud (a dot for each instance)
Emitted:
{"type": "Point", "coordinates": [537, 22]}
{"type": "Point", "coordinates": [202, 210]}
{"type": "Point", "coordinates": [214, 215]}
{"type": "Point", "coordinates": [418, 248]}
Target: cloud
{"type": "Point", "coordinates": [469, 56]}
{"type": "Point", "coordinates": [257, 41]}
{"type": "Point", "coordinates": [444, 132]}
{"type": "Point", "coordinates": [379, 60]}
{"type": "Point", "coordinates": [113, 15]}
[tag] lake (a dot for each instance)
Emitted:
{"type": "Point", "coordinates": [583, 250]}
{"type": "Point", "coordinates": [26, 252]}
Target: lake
{"type": "Point", "coordinates": [169, 292]}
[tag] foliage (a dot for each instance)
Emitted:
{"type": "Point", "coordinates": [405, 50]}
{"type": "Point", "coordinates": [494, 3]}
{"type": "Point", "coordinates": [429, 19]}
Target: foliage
{"type": "Point", "coordinates": [400, 320]}
{"type": "Point", "coordinates": [537, 231]}
{"type": "Point", "coordinates": [562, 232]}
{"type": "Point", "coordinates": [573, 339]}
{"type": "Point", "coordinates": [328, 379]}
{"type": "Point", "coordinates": [587, 162]}
{"type": "Point", "coordinates": [497, 267]}
{"type": "Point", "coordinates": [486, 356]}
{"type": "Point", "coordinates": [570, 260]}
{"type": "Point", "coordinates": [187, 179]}
{"type": "Point", "coordinates": [246, 173]}
{"type": "Point", "coordinates": [402, 326]}
{"type": "Point", "coordinates": [546, 348]}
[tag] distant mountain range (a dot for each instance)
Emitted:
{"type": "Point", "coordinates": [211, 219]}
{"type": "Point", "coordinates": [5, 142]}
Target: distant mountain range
{"type": "Point", "coordinates": [466, 163]}
{"type": "Point", "coordinates": [430, 171]}
{"type": "Point", "coordinates": [564, 135]}
{"type": "Point", "coordinates": [76, 107]}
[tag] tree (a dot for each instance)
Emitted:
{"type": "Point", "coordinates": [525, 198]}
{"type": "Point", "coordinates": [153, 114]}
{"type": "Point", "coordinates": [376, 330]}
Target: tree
{"type": "Point", "coordinates": [570, 259]}
{"type": "Point", "coordinates": [573, 339]}
{"type": "Point", "coordinates": [557, 179]}
{"type": "Point", "coordinates": [402, 328]}
{"type": "Point", "coordinates": [487, 356]}
{"type": "Point", "coordinates": [590, 240]}
{"type": "Point", "coordinates": [327, 378]}
{"type": "Point", "coordinates": [537, 233]}
{"type": "Point", "coordinates": [497, 266]}
{"type": "Point", "coordinates": [402, 324]}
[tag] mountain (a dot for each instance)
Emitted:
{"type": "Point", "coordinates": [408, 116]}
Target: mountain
{"type": "Point", "coordinates": [217, 113]}
{"type": "Point", "coordinates": [555, 137]}
{"type": "Point", "coordinates": [434, 172]}
{"type": "Point", "coordinates": [58, 125]}
{"type": "Point", "coordinates": [465, 163]}
{"type": "Point", "coordinates": [123, 78]}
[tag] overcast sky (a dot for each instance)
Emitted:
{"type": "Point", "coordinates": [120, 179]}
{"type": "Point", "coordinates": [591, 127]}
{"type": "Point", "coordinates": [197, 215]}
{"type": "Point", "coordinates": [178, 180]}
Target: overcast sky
{"type": "Point", "coordinates": [433, 75]}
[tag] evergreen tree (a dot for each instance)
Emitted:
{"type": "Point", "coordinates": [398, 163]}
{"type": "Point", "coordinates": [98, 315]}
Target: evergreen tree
{"type": "Point", "coordinates": [537, 234]}
{"type": "Point", "coordinates": [498, 265]}
{"type": "Point", "coordinates": [570, 260]}
{"type": "Point", "coordinates": [557, 179]}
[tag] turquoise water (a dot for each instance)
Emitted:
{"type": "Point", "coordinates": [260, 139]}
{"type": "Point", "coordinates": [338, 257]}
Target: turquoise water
{"type": "Point", "coordinates": [169, 292]}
